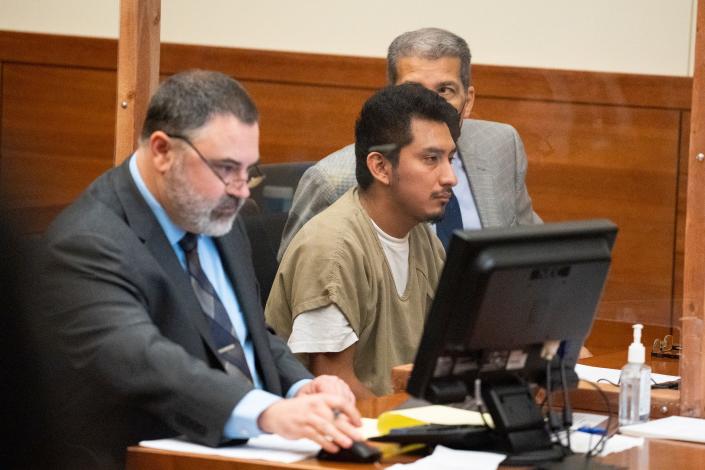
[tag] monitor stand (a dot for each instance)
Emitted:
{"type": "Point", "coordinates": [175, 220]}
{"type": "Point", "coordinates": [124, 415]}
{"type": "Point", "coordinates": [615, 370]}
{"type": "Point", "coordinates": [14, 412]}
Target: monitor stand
{"type": "Point", "coordinates": [534, 458]}
{"type": "Point", "coordinates": [520, 429]}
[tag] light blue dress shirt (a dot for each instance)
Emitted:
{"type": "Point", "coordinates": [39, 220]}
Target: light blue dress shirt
{"type": "Point", "coordinates": [466, 201]}
{"type": "Point", "coordinates": [462, 190]}
{"type": "Point", "coordinates": [243, 420]}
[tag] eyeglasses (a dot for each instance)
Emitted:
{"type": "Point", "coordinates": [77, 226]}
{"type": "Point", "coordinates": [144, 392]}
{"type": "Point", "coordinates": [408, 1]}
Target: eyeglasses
{"type": "Point", "coordinates": [227, 171]}
{"type": "Point", "coordinates": [384, 149]}
{"type": "Point", "coordinates": [666, 348]}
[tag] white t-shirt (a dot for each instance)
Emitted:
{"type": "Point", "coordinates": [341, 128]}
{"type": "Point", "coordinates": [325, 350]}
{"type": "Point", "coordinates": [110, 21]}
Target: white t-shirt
{"type": "Point", "coordinates": [326, 329]}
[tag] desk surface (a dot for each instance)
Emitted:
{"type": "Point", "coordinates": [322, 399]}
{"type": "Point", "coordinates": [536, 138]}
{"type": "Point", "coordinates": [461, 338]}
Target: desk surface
{"type": "Point", "coordinates": [655, 454]}
{"type": "Point", "coordinates": [616, 360]}
{"type": "Point", "coordinates": [663, 402]}
{"type": "Point", "coordinates": [139, 458]}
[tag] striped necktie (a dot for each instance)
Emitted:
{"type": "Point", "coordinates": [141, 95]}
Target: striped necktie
{"type": "Point", "coordinates": [222, 332]}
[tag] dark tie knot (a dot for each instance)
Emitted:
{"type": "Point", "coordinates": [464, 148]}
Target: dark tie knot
{"type": "Point", "coordinates": [188, 242]}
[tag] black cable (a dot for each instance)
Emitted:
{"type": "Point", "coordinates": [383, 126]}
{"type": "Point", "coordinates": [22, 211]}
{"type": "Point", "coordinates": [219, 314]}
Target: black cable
{"type": "Point", "coordinates": [483, 409]}
{"type": "Point", "coordinates": [566, 422]}
{"type": "Point", "coordinates": [607, 381]}
{"type": "Point", "coordinates": [663, 385]}
{"type": "Point", "coordinates": [549, 398]}
{"type": "Point", "coordinates": [567, 408]}
{"type": "Point", "coordinates": [552, 421]}
{"type": "Point", "coordinates": [600, 445]}
{"type": "Point", "coordinates": [480, 403]}
{"type": "Point", "coordinates": [552, 425]}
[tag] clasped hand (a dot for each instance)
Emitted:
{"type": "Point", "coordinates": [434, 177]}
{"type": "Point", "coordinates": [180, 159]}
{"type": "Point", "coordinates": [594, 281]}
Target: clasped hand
{"type": "Point", "coordinates": [322, 411]}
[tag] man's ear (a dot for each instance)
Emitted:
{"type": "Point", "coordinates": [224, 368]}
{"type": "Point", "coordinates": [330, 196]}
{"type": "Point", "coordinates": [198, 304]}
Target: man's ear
{"type": "Point", "coordinates": [380, 167]}
{"type": "Point", "coordinates": [159, 146]}
{"type": "Point", "coordinates": [469, 103]}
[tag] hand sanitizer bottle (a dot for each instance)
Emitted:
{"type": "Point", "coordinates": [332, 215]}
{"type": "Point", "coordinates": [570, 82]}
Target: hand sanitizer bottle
{"type": "Point", "coordinates": [635, 384]}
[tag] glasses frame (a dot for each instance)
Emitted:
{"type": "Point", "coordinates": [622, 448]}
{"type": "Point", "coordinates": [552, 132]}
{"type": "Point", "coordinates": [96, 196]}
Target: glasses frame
{"type": "Point", "coordinates": [254, 173]}
{"type": "Point", "coordinates": [384, 149]}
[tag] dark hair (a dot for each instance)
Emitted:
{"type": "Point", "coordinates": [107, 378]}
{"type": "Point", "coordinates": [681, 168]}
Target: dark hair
{"type": "Point", "coordinates": [187, 100]}
{"type": "Point", "coordinates": [386, 119]}
{"type": "Point", "coordinates": [429, 43]}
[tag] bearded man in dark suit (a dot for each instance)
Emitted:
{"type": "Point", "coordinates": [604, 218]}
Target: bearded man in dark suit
{"type": "Point", "coordinates": [149, 310]}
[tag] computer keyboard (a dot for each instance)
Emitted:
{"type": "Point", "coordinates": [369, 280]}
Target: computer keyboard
{"type": "Point", "coordinates": [454, 436]}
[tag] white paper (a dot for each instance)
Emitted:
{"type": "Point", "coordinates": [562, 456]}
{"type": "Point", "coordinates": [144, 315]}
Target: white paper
{"type": "Point", "coordinates": [369, 428]}
{"type": "Point", "coordinates": [265, 447]}
{"type": "Point", "coordinates": [444, 458]}
{"type": "Point", "coordinates": [588, 420]}
{"type": "Point", "coordinates": [678, 428]}
{"type": "Point", "coordinates": [593, 374]}
{"type": "Point", "coordinates": [582, 442]}
{"type": "Point", "coordinates": [440, 414]}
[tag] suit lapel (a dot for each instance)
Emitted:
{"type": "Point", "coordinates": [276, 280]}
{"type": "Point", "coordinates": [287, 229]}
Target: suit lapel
{"type": "Point", "coordinates": [479, 173]}
{"type": "Point", "coordinates": [145, 225]}
{"type": "Point", "coordinates": [233, 249]}
{"type": "Point", "coordinates": [234, 254]}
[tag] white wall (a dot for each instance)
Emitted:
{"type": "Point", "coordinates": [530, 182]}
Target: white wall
{"type": "Point", "coordinates": [635, 36]}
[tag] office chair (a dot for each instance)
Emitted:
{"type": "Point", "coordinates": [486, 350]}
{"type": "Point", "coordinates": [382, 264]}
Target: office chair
{"type": "Point", "coordinates": [277, 190]}
{"type": "Point", "coordinates": [265, 214]}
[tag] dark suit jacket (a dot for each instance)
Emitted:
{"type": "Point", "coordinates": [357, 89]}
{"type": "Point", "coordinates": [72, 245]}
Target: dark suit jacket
{"type": "Point", "coordinates": [128, 351]}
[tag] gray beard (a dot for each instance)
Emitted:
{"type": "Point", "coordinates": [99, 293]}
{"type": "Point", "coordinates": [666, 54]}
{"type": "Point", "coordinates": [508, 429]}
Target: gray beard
{"type": "Point", "coordinates": [192, 211]}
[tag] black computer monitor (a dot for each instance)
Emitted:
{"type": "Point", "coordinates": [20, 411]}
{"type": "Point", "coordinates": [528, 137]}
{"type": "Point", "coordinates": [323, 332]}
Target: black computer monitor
{"type": "Point", "coordinates": [504, 295]}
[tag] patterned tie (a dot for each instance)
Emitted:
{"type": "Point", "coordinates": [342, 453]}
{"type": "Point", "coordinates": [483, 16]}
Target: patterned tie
{"type": "Point", "coordinates": [222, 332]}
{"type": "Point", "coordinates": [452, 220]}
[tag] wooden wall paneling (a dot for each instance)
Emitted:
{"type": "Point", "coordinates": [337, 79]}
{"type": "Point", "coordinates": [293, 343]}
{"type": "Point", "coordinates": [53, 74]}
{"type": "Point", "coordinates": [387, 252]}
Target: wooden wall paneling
{"type": "Point", "coordinates": [304, 122]}
{"type": "Point", "coordinates": [588, 161]}
{"type": "Point", "coordinates": [609, 335]}
{"type": "Point", "coordinates": [51, 49]}
{"type": "Point", "coordinates": [275, 66]}
{"type": "Point", "coordinates": [571, 86]}
{"type": "Point", "coordinates": [355, 72]}
{"type": "Point", "coordinates": [692, 364]}
{"type": "Point", "coordinates": [308, 102]}
{"type": "Point", "coordinates": [57, 127]}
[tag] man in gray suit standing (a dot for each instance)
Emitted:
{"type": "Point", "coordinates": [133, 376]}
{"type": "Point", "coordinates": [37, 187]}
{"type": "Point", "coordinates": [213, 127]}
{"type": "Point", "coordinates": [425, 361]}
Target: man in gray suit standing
{"type": "Point", "coordinates": [491, 170]}
{"type": "Point", "coordinates": [149, 311]}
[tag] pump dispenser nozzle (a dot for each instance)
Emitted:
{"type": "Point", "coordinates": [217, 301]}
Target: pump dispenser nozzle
{"type": "Point", "coordinates": [636, 349]}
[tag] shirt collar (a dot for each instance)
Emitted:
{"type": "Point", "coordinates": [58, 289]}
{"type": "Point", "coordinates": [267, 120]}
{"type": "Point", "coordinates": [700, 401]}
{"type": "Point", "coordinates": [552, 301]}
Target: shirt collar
{"type": "Point", "coordinates": [173, 232]}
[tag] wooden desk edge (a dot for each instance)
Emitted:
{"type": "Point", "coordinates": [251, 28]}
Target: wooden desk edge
{"type": "Point", "coordinates": [145, 458]}
{"type": "Point", "coordinates": [587, 398]}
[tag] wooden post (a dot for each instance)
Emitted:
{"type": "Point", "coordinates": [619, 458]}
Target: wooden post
{"type": "Point", "coordinates": [692, 366]}
{"type": "Point", "coordinates": [138, 70]}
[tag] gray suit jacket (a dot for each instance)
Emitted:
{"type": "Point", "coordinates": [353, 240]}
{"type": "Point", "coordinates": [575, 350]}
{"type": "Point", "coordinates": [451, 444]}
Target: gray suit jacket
{"type": "Point", "coordinates": [494, 159]}
{"type": "Point", "coordinates": [128, 350]}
